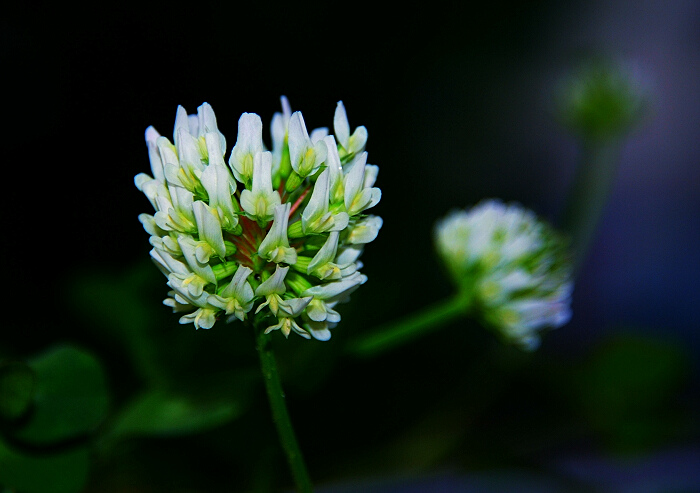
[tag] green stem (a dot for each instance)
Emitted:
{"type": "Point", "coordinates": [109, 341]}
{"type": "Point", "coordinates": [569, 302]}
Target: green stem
{"type": "Point", "coordinates": [390, 335]}
{"type": "Point", "coordinates": [280, 415]}
{"type": "Point", "coordinates": [589, 193]}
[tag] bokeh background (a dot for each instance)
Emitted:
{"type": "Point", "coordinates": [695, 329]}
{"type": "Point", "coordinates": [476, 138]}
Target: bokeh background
{"type": "Point", "coordinates": [459, 104]}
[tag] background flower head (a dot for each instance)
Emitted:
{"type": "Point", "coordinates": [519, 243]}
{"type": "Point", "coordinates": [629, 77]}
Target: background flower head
{"type": "Point", "coordinates": [513, 267]}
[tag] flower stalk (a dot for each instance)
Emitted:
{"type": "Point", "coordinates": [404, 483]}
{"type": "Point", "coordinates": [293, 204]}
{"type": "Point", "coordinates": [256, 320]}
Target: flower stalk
{"type": "Point", "coordinates": [589, 193]}
{"type": "Point", "coordinates": [280, 415]}
{"type": "Point", "coordinates": [393, 334]}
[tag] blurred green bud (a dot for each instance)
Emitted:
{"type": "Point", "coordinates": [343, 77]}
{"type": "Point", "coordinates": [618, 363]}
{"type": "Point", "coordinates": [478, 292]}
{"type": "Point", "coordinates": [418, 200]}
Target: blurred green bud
{"type": "Point", "coordinates": [602, 101]}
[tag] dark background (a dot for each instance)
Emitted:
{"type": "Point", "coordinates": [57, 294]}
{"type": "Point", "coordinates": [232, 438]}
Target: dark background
{"type": "Point", "coordinates": [458, 102]}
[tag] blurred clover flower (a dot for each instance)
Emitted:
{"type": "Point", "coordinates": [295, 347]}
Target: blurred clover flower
{"type": "Point", "coordinates": [271, 234]}
{"type": "Point", "coordinates": [513, 268]}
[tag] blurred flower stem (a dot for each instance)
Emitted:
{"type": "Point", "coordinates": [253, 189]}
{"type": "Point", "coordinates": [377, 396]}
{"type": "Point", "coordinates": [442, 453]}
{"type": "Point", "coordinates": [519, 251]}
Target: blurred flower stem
{"type": "Point", "coordinates": [280, 415]}
{"type": "Point", "coordinates": [600, 104]}
{"type": "Point", "coordinates": [589, 193]}
{"type": "Point", "coordinates": [388, 336]}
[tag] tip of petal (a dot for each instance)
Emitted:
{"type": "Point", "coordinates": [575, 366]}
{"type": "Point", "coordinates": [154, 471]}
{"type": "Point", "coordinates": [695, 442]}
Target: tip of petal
{"type": "Point", "coordinates": [286, 108]}
{"type": "Point", "coordinates": [151, 134]}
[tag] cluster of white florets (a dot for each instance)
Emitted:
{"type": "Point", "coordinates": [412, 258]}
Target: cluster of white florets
{"type": "Point", "coordinates": [272, 234]}
{"type": "Point", "coordinates": [513, 267]}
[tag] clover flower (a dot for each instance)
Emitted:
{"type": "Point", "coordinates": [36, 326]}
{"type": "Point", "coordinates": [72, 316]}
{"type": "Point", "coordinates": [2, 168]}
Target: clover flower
{"type": "Point", "coordinates": [514, 268]}
{"type": "Point", "coordinates": [270, 235]}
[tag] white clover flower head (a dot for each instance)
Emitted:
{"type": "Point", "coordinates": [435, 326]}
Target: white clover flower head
{"type": "Point", "coordinates": [515, 268]}
{"type": "Point", "coordinates": [272, 236]}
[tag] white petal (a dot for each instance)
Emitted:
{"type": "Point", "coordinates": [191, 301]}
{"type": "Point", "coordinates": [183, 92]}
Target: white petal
{"type": "Point", "coordinates": [318, 203]}
{"type": "Point", "coordinates": [319, 330]}
{"type": "Point", "coordinates": [366, 230]}
{"type": "Point", "coordinates": [193, 122]}
{"type": "Point", "coordinates": [349, 254]}
{"type": "Point", "coordinates": [335, 289]}
{"type": "Point", "coordinates": [181, 122]}
{"type": "Point", "coordinates": [262, 173]}
{"type": "Point", "coordinates": [318, 134]}
{"type": "Point", "coordinates": [220, 187]}
{"type": "Point", "coordinates": [209, 227]}
{"type": "Point", "coordinates": [298, 138]}
{"type": "Point", "coordinates": [213, 142]}
{"type": "Point", "coordinates": [277, 236]}
{"type": "Point", "coordinates": [188, 151]}
{"type": "Point", "coordinates": [371, 172]}
{"type": "Point", "coordinates": [294, 306]}
{"type": "Point", "coordinates": [341, 125]}
{"type": "Point", "coordinates": [189, 250]}
{"type": "Point", "coordinates": [153, 154]}
{"type": "Point", "coordinates": [335, 169]}
{"type": "Point", "coordinates": [167, 151]}
{"type": "Point", "coordinates": [274, 284]}
{"type": "Point", "coordinates": [286, 109]}
{"type": "Point", "coordinates": [316, 311]}
{"type": "Point", "coordinates": [354, 180]}
{"type": "Point", "coordinates": [358, 140]}
{"type": "Point", "coordinates": [326, 253]}
{"type": "Point", "coordinates": [167, 263]}
{"type": "Point", "coordinates": [239, 287]}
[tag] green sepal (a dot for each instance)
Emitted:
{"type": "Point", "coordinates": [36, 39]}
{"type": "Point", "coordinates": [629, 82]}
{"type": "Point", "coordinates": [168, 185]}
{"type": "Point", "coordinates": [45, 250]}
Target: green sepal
{"type": "Point", "coordinates": [230, 248]}
{"type": "Point", "coordinates": [224, 270]}
{"type": "Point", "coordinates": [297, 282]}
{"type": "Point", "coordinates": [293, 182]}
{"type": "Point", "coordinates": [285, 168]}
{"type": "Point", "coordinates": [294, 230]}
{"type": "Point", "coordinates": [302, 264]}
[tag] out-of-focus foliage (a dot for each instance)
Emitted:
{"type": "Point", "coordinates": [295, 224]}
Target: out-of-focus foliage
{"type": "Point", "coordinates": [56, 400]}
{"type": "Point", "coordinates": [485, 406]}
{"type": "Point", "coordinates": [61, 472]}
{"type": "Point", "coordinates": [71, 396]}
{"type": "Point", "coordinates": [17, 381]}
{"type": "Point", "coordinates": [626, 390]}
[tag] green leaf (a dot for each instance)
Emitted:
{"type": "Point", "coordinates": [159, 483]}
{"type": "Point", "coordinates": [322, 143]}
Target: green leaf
{"type": "Point", "coordinates": [195, 406]}
{"type": "Point", "coordinates": [17, 383]}
{"type": "Point", "coordinates": [71, 397]}
{"type": "Point", "coordinates": [57, 473]}
{"type": "Point", "coordinates": [160, 412]}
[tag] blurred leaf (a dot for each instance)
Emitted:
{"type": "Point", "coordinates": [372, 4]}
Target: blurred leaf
{"type": "Point", "coordinates": [98, 293]}
{"type": "Point", "coordinates": [192, 408]}
{"type": "Point", "coordinates": [95, 296]}
{"type": "Point", "coordinates": [71, 396]}
{"type": "Point", "coordinates": [57, 473]}
{"type": "Point", "coordinates": [16, 390]}
{"type": "Point", "coordinates": [627, 385]}
{"type": "Point", "coordinates": [160, 412]}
